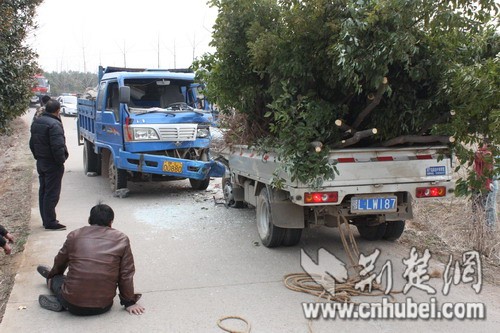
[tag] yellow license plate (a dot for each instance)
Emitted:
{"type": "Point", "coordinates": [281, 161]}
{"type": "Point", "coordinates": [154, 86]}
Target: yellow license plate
{"type": "Point", "coordinates": [175, 167]}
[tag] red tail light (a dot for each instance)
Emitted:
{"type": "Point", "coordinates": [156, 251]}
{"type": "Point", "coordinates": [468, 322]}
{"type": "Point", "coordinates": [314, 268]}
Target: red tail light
{"type": "Point", "coordinates": [424, 157]}
{"type": "Point", "coordinates": [320, 197]}
{"type": "Point", "coordinates": [346, 160]}
{"type": "Point", "coordinates": [431, 192]}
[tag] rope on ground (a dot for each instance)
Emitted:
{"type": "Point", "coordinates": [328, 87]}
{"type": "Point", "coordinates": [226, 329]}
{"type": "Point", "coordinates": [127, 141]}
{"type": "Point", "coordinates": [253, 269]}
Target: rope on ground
{"type": "Point", "coordinates": [303, 282]}
{"type": "Point", "coordinates": [351, 247]}
{"type": "Point", "coordinates": [343, 291]}
{"type": "Point", "coordinates": [224, 328]}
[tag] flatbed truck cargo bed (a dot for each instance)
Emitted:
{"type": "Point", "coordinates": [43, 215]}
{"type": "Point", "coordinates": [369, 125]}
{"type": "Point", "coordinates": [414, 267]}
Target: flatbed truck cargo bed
{"type": "Point", "coordinates": [374, 189]}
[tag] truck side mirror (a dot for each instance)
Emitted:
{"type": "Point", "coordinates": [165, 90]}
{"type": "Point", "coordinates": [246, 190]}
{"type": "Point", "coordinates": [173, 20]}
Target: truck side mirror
{"type": "Point", "coordinates": [124, 95]}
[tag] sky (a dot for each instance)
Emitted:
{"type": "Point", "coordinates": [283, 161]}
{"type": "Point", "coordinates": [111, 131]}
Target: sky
{"type": "Point", "coordinates": [80, 36]}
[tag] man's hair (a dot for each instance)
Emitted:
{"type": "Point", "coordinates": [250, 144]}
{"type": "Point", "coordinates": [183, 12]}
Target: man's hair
{"type": "Point", "coordinates": [52, 106]}
{"type": "Point", "coordinates": [45, 99]}
{"type": "Point", "coordinates": [102, 215]}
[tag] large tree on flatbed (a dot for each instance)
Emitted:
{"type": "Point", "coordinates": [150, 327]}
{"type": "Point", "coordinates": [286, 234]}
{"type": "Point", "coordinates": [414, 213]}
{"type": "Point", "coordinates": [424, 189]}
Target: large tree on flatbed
{"type": "Point", "coordinates": [342, 73]}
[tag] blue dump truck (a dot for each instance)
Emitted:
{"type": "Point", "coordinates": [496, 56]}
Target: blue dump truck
{"type": "Point", "coordinates": [147, 125]}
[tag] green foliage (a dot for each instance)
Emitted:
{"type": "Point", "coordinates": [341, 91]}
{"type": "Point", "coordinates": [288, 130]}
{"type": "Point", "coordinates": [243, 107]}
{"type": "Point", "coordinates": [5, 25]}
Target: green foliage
{"type": "Point", "coordinates": [17, 61]}
{"type": "Point", "coordinates": [475, 96]}
{"type": "Point", "coordinates": [296, 66]}
{"type": "Point", "coordinates": [70, 82]}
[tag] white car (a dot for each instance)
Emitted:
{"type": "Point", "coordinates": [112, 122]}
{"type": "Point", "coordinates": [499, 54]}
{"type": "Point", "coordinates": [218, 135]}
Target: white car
{"type": "Point", "coordinates": [68, 105]}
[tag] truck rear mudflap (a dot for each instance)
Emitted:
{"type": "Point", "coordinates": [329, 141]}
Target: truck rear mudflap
{"type": "Point", "coordinates": [169, 166]}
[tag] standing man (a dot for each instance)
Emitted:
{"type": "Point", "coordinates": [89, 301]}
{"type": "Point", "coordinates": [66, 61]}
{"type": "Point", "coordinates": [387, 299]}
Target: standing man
{"type": "Point", "coordinates": [99, 259]}
{"type": "Point", "coordinates": [41, 109]}
{"type": "Point", "coordinates": [48, 145]}
{"type": "Point", "coordinates": [485, 198]}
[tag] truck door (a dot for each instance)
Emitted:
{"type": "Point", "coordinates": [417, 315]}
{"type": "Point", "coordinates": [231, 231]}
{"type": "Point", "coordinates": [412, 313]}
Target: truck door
{"type": "Point", "coordinates": [109, 129]}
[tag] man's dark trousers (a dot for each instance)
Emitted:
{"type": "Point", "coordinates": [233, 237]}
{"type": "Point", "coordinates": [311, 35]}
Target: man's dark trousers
{"type": "Point", "coordinates": [50, 176]}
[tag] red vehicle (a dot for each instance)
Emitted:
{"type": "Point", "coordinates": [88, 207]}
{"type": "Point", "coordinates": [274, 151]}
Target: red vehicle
{"type": "Point", "coordinates": [41, 87]}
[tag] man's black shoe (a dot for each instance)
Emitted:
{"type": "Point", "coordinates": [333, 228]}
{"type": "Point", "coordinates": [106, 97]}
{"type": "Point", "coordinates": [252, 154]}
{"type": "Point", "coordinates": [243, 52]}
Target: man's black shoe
{"type": "Point", "coordinates": [43, 270]}
{"type": "Point", "coordinates": [58, 226]}
{"type": "Point", "coordinates": [50, 302]}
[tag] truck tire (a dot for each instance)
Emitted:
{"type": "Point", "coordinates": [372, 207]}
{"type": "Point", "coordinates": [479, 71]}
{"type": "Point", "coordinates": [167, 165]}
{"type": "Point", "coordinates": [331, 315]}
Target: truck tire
{"type": "Point", "coordinates": [370, 232]}
{"type": "Point", "coordinates": [394, 230]}
{"type": "Point", "coordinates": [292, 237]}
{"type": "Point", "coordinates": [91, 160]}
{"type": "Point", "coordinates": [199, 184]}
{"type": "Point", "coordinates": [227, 190]}
{"type": "Point", "coordinates": [117, 177]}
{"type": "Point", "coordinates": [270, 235]}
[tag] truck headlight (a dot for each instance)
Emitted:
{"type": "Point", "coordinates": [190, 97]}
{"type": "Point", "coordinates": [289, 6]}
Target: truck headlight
{"type": "Point", "coordinates": [145, 133]}
{"type": "Point", "coordinates": [203, 132]}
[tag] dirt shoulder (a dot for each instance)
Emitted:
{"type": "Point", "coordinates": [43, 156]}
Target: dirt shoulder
{"type": "Point", "coordinates": [16, 175]}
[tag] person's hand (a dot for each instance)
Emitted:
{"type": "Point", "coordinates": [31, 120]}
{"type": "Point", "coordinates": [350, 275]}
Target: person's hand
{"type": "Point", "coordinates": [7, 248]}
{"type": "Point", "coordinates": [136, 309]}
{"type": "Point", "coordinates": [10, 237]}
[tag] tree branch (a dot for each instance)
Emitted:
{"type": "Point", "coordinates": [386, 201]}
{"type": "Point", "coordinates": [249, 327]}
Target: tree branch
{"type": "Point", "coordinates": [348, 130]}
{"type": "Point", "coordinates": [355, 138]}
{"type": "Point", "coordinates": [418, 139]}
{"type": "Point", "coordinates": [374, 101]}
{"type": "Point", "coordinates": [431, 122]}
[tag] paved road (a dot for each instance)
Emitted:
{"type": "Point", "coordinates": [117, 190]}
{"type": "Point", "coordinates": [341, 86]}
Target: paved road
{"type": "Point", "coordinates": [197, 262]}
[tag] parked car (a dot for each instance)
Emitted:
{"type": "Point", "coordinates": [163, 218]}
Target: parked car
{"type": "Point", "coordinates": [68, 105]}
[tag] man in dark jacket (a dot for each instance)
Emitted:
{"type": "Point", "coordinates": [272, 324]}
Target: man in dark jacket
{"type": "Point", "coordinates": [98, 259]}
{"type": "Point", "coordinates": [48, 145]}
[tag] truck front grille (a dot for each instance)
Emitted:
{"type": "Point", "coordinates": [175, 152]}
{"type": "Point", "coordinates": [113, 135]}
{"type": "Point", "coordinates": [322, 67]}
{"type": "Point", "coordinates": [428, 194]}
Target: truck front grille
{"type": "Point", "coordinates": [178, 132]}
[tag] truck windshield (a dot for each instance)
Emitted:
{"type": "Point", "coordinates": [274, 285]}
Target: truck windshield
{"type": "Point", "coordinates": [160, 95]}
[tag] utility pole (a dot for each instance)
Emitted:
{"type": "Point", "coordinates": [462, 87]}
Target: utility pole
{"type": "Point", "coordinates": [84, 62]}
{"type": "Point", "coordinates": [83, 52]}
{"type": "Point", "coordinates": [158, 49]}
{"type": "Point", "coordinates": [175, 65]}
{"type": "Point", "coordinates": [124, 51]}
{"type": "Point", "coordinates": [194, 44]}
{"type": "Point", "coordinates": [173, 52]}
{"type": "Point", "coordinates": [124, 55]}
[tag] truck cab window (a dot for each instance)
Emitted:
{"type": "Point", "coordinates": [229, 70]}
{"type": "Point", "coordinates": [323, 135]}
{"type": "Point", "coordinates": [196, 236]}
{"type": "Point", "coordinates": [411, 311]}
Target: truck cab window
{"type": "Point", "coordinates": [112, 100]}
{"type": "Point", "coordinates": [102, 90]}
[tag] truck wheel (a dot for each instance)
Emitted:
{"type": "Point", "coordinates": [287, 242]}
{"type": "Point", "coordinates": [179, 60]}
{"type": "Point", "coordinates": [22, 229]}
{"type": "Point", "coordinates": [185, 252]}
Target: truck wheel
{"type": "Point", "coordinates": [199, 184]}
{"type": "Point", "coordinates": [372, 233]}
{"type": "Point", "coordinates": [394, 230]}
{"type": "Point", "coordinates": [270, 235]}
{"type": "Point", "coordinates": [292, 237]}
{"type": "Point", "coordinates": [117, 177]}
{"type": "Point", "coordinates": [91, 160]}
{"type": "Point", "coordinates": [227, 189]}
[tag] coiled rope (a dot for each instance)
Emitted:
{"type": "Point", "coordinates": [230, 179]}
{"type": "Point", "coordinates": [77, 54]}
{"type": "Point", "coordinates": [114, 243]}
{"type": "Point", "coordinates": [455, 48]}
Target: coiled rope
{"type": "Point", "coordinates": [224, 328]}
{"type": "Point", "coordinates": [343, 291]}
